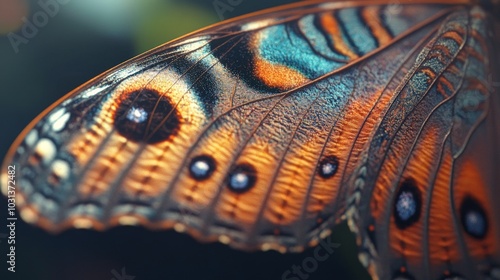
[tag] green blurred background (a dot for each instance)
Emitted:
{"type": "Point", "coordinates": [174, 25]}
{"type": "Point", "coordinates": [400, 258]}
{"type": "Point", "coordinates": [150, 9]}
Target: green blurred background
{"type": "Point", "coordinates": [81, 40]}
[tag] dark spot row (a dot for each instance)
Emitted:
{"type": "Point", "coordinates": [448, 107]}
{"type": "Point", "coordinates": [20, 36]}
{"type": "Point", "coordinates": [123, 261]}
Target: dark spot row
{"type": "Point", "coordinates": [243, 176]}
{"type": "Point", "coordinates": [408, 206]}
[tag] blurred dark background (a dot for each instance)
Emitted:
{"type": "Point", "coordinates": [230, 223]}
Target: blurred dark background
{"type": "Point", "coordinates": [79, 41]}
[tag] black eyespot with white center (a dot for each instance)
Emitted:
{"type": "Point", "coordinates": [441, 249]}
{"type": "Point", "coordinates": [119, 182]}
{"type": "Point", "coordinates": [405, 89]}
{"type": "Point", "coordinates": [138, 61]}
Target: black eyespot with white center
{"type": "Point", "coordinates": [473, 218]}
{"type": "Point", "coordinates": [146, 116]}
{"type": "Point", "coordinates": [407, 204]}
{"type": "Point", "coordinates": [328, 167]}
{"type": "Point", "coordinates": [242, 178]}
{"type": "Point", "coordinates": [202, 167]}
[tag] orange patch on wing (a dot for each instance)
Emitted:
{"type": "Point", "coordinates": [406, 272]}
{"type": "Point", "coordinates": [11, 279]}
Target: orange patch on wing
{"type": "Point", "coordinates": [470, 182]}
{"type": "Point", "coordinates": [441, 53]}
{"type": "Point", "coordinates": [419, 167]}
{"type": "Point", "coordinates": [371, 16]}
{"type": "Point", "coordinates": [456, 35]}
{"type": "Point", "coordinates": [443, 85]}
{"type": "Point", "coordinates": [278, 76]}
{"type": "Point", "coordinates": [104, 160]}
{"type": "Point", "coordinates": [431, 75]}
{"type": "Point", "coordinates": [108, 166]}
{"type": "Point", "coordinates": [291, 186]}
{"type": "Point", "coordinates": [150, 166]}
{"type": "Point", "coordinates": [443, 244]}
{"type": "Point", "coordinates": [380, 194]}
{"type": "Point", "coordinates": [245, 207]}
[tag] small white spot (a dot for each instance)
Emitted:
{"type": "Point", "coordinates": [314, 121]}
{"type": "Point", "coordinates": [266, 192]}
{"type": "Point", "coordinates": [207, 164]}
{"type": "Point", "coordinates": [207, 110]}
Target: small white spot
{"type": "Point", "coordinates": [31, 138]}
{"type": "Point", "coordinates": [179, 227]}
{"type": "Point", "coordinates": [46, 149]}
{"type": "Point", "coordinates": [200, 169]}
{"type": "Point", "coordinates": [257, 24]}
{"type": "Point", "coordinates": [56, 115]}
{"type": "Point", "coordinates": [91, 92]}
{"type": "Point", "coordinates": [364, 259]}
{"type": "Point", "coordinates": [406, 206]}
{"type": "Point", "coordinates": [29, 215]}
{"type": "Point", "coordinates": [128, 221]}
{"type": "Point", "coordinates": [328, 169]}
{"type": "Point", "coordinates": [61, 169]}
{"type": "Point", "coordinates": [137, 115]}
{"type": "Point", "coordinates": [224, 239]}
{"type": "Point", "coordinates": [82, 223]}
{"type": "Point", "coordinates": [239, 181]}
{"type": "Point", "coordinates": [265, 247]}
{"type": "Point", "coordinates": [60, 123]}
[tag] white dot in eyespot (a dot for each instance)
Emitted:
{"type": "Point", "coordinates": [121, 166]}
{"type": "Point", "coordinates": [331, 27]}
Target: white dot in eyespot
{"type": "Point", "coordinates": [406, 205]}
{"type": "Point", "coordinates": [137, 115]}
{"type": "Point", "coordinates": [328, 168]}
{"type": "Point", "coordinates": [475, 223]}
{"type": "Point", "coordinates": [200, 168]}
{"type": "Point", "coordinates": [239, 181]}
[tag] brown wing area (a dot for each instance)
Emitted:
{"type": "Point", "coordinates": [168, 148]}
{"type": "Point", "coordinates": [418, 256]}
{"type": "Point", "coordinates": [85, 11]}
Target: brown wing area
{"type": "Point", "coordinates": [432, 214]}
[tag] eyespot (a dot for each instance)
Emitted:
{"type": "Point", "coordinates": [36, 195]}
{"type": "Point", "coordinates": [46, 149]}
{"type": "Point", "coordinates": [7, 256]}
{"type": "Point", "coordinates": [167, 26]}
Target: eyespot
{"type": "Point", "coordinates": [146, 115]}
{"type": "Point", "coordinates": [407, 204]}
{"type": "Point", "coordinates": [202, 167]}
{"type": "Point", "coordinates": [328, 167]}
{"type": "Point", "coordinates": [242, 178]}
{"type": "Point", "coordinates": [473, 218]}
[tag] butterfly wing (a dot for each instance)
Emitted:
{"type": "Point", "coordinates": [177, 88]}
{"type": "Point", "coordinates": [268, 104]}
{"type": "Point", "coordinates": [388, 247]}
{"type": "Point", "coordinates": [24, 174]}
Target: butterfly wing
{"type": "Point", "coordinates": [251, 132]}
{"type": "Point", "coordinates": [222, 133]}
{"type": "Point", "coordinates": [423, 204]}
